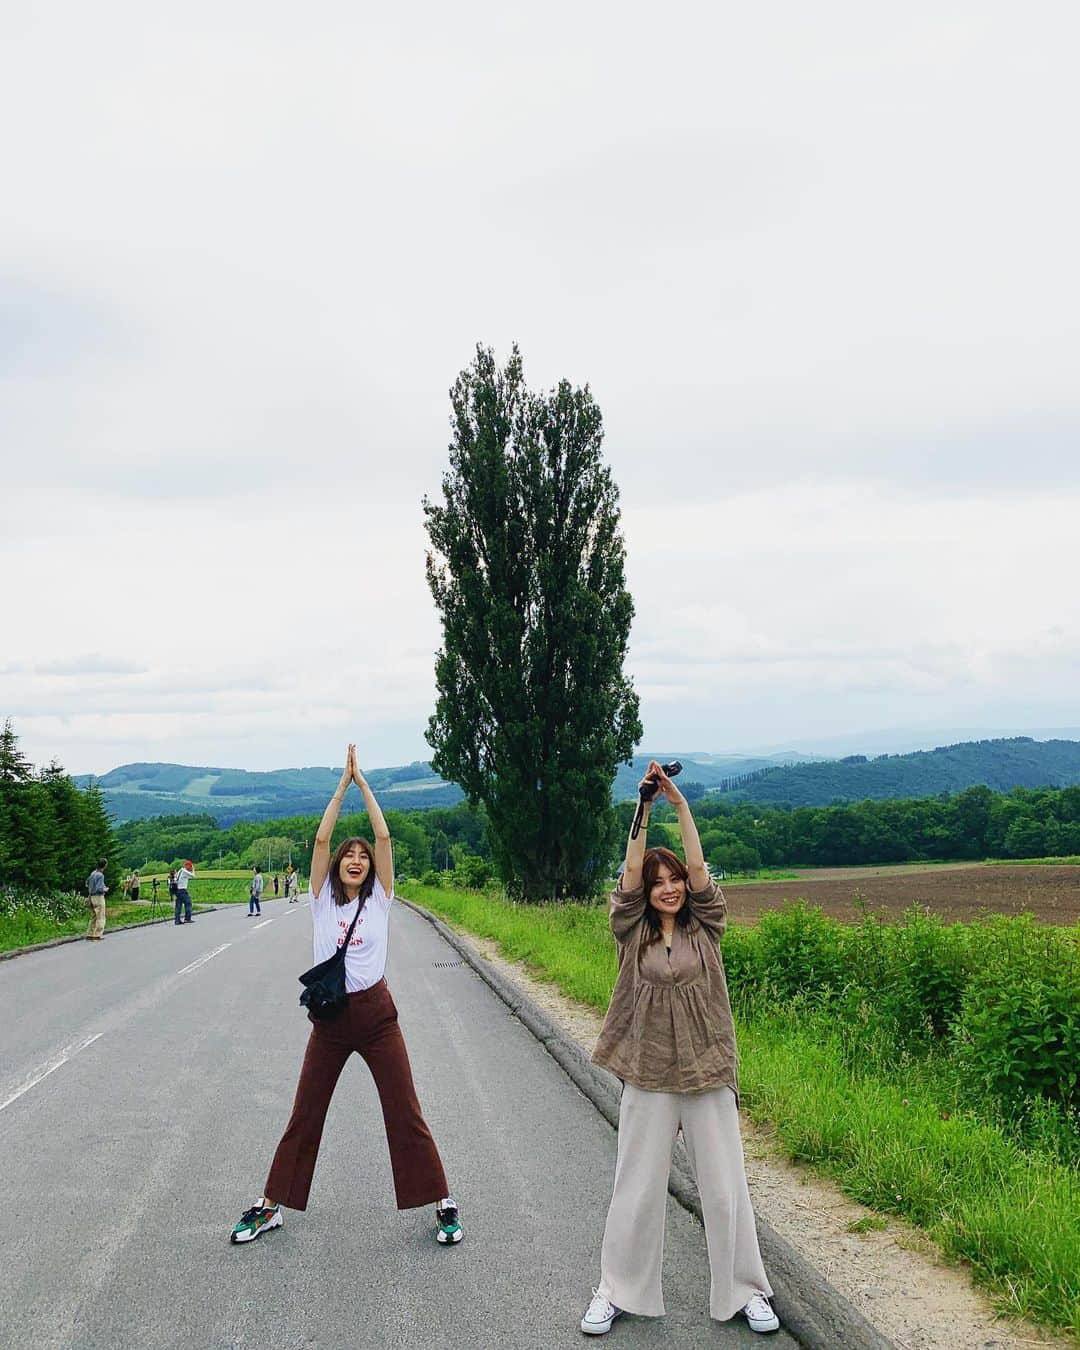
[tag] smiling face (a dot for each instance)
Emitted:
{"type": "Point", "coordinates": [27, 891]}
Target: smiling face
{"type": "Point", "coordinates": [667, 895]}
{"type": "Point", "coordinates": [353, 868]}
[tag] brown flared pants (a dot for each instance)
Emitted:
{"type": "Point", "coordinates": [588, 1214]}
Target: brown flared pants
{"type": "Point", "coordinates": [368, 1025]}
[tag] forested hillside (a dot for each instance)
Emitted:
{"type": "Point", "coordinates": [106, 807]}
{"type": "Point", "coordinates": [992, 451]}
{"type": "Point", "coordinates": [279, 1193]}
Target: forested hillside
{"type": "Point", "coordinates": [999, 764]}
{"type": "Point", "coordinates": [736, 836]}
{"type": "Point", "coordinates": [142, 791]}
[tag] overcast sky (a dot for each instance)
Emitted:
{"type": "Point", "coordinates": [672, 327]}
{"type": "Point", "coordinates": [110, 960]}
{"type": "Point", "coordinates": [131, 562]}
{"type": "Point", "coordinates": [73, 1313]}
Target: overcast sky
{"type": "Point", "coordinates": [818, 264]}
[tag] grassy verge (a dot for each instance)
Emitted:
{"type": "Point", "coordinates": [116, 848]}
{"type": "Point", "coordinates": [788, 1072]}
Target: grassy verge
{"type": "Point", "coordinates": [217, 888]}
{"type": "Point", "coordinates": [1069, 860]}
{"type": "Point", "coordinates": [24, 929]}
{"type": "Point", "coordinates": [1014, 1215]}
{"type": "Point", "coordinates": [568, 945]}
{"type": "Point", "coordinates": [885, 1107]}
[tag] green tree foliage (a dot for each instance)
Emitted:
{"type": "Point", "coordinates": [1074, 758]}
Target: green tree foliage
{"type": "Point", "coordinates": [527, 571]}
{"type": "Point", "coordinates": [51, 833]}
{"type": "Point", "coordinates": [736, 837]}
{"type": "Point", "coordinates": [271, 852]}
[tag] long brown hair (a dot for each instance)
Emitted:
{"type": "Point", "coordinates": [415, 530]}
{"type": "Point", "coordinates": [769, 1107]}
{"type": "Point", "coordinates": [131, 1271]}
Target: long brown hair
{"type": "Point", "coordinates": [337, 890]}
{"type": "Point", "coordinates": [654, 859]}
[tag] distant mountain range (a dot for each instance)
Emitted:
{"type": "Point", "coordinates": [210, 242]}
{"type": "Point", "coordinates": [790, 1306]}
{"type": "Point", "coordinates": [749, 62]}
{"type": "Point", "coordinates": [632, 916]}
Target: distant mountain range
{"type": "Point", "coordinates": [903, 741]}
{"type": "Point", "coordinates": [137, 791]}
{"type": "Point", "coordinates": [1002, 765]}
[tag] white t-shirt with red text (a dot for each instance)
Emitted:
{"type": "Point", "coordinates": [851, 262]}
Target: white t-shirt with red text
{"type": "Point", "coordinates": [365, 961]}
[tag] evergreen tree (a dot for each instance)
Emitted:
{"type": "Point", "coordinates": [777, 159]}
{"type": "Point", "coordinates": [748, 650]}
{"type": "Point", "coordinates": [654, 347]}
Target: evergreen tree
{"type": "Point", "coordinates": [14, 766]}
{"type": "Point", "coordinates": [26, 827]}
{"type": "Point", "coordinates": [527, 572]}
{"type": "Point", "coordinates": [70, 848]}
{"type": "Point", "coordinates": [98, 838]}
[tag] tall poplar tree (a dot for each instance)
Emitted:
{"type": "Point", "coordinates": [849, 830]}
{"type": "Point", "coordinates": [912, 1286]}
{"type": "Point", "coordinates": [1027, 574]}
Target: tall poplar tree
{"type": "Point", "coordinates": [526, 569]}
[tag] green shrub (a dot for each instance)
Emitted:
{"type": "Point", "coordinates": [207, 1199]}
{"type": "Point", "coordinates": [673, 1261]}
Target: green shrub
{"type": "Point", "coordinates": [913, 973]}
{"type": "Point", "coordinates": [800, 952]}
{"type": "Point", "coordinates": [1018, 1034]}
{"type": "Point", "coordinates": [472, 873]}
{"type": "Point", "coordinates": [57, 908]}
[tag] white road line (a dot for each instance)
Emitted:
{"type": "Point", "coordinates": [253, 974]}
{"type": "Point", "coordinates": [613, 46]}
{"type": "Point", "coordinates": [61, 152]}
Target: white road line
{"type": "Point", "coordinates": [203, 959]}
{"type": "Point", "coordinates": [61, 1059]}
{"type": "Point", "coordinates": [263, 924]}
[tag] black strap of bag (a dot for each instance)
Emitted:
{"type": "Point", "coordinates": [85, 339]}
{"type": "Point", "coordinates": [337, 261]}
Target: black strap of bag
{"type": "Point", "coordinates": [324, 985]}
{"type": "Point", "coordinates": [645, 794]}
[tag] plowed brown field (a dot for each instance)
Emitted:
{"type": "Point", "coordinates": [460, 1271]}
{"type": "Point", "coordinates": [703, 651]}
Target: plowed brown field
{"type": "Point", "coordinates": [956, 892]}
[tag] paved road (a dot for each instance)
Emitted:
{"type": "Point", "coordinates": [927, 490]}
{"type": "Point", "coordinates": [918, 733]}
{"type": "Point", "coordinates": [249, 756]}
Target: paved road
{"type": "Point", "coordinates": [172, 1060]}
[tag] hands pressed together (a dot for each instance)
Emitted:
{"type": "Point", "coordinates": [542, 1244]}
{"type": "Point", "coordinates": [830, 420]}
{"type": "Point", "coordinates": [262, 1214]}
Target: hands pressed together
{"type": "Point", "coordinates": [351, 772]}
{"type": "Point", "coordinates": [657, 778]}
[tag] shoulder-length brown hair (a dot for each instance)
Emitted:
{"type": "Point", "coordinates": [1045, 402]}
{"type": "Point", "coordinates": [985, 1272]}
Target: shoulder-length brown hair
{"type": "Point", "coordinates": [654, 859]}
{"type": "Point", "coordinates": [337, 890]}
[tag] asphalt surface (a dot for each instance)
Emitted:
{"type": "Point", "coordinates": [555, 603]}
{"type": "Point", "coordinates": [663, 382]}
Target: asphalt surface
{"type": "Point", "coordinates": [144, 1083]}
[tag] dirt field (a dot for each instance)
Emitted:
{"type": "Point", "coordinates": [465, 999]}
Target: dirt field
{"type": "Point", "coordinates": [960, 891]}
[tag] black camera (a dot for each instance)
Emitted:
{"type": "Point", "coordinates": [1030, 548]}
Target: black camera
{"type": "Point", "coordinates": [646, 794]}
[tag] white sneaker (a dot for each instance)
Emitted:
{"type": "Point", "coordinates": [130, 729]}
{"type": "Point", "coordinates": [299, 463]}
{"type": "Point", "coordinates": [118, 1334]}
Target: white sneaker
{"type": "Point", "coordinates": [599, 1316]}
{"type": "Point", "coordinates": [759, 1314]}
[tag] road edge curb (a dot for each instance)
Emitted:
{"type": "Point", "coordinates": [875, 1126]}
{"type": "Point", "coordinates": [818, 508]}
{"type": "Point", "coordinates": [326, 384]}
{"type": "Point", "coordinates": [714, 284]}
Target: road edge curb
{"type": "Point", "coordinates": [816, 1314]}
{"type": "Point", "coordinates": [81, 937]}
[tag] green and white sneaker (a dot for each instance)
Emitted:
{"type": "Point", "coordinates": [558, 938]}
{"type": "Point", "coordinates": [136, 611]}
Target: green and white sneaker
{"type": "Point", "coordinates": [256, 1221]}
{"type": "Point", "coordinates": [447, 1222]}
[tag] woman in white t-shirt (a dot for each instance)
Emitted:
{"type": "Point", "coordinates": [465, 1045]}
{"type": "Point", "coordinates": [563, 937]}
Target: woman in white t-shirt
{"type": "Point", "coordinates": [358, 878]}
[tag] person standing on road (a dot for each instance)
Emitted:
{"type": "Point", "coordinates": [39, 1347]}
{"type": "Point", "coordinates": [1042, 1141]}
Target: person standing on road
{"type": "Point", "coordinates": [357, 882]}
{"type": "Point", "coordinates": [254, 907]}
{"type": "Point", "coordinates": [277, 883]}
{"type": "Point", "coordinates": [96, 891]}
{"type": "Point", "coordinates": [669, 1036]}
{"type": "Point", "coordinates": [183, 896]}
{"type": "Point", "coordinates": [133, 890]}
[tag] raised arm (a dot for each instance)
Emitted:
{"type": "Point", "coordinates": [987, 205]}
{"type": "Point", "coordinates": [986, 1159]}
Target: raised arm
{"type": "Point", "coordinates": [320, 855]}
{"type": "Point", "coordinates": [691, 843]}
{"type": "Point", "coordinates": [635, 848]}
{"type": "Point", "coordinates": [628, 902]}
{"type": "Point", "coordinates": [384, 851]}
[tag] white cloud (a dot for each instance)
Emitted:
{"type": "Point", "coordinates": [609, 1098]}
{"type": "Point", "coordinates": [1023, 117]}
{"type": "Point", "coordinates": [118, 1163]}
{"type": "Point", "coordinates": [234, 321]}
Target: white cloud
{"type": "Point", "coordinates": [818, 270]}
{"type": "Point", "coordinates": [91, 664]}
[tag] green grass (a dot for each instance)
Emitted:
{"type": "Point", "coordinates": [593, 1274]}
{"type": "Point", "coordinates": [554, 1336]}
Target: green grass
{"type": "Point", "coordinates": [219, 888]}
{"type": "Point", "coordinates": [567, 945]}
{"type": "Point", "coordinates": [1014, 1215]}
{"type": "Point", "coordinates": [763, 874]}
{"type": "Point", "coordinates": [869, 1223]}
{"type": "Point", "coordinates": [886, 1127]}
{"type": "Point", "coordinates": [24, 928]}
{"type": "Point", "coordinates": [1072, 860]}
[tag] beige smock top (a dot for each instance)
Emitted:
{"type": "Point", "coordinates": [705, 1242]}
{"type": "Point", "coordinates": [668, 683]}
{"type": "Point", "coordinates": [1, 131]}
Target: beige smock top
{"type": "Point", "coordinates": [668, 1027]}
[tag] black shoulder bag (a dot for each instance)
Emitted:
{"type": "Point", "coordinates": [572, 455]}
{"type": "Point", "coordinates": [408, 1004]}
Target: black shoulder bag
{"type": "Point", "coordinates": [324, 984]}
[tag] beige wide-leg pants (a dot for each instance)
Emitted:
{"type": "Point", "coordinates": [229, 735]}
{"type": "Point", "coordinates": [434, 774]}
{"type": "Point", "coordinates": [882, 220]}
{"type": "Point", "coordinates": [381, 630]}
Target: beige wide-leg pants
{"type": "Point", "coordinates": [97, 918]}
{"type": "Point", "coordinates": [632, 1255]}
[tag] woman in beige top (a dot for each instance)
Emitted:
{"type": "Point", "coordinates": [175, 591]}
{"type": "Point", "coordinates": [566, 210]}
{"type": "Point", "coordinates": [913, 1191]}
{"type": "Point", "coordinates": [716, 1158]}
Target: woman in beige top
{"type": "Point", "coordinates": [668, 1035]}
